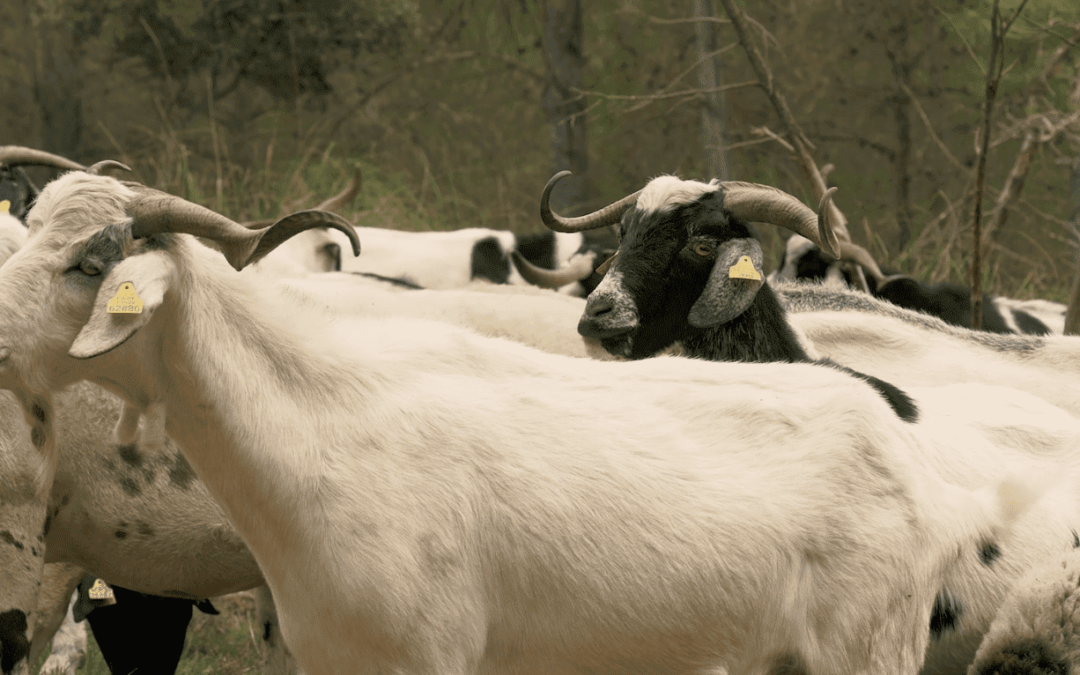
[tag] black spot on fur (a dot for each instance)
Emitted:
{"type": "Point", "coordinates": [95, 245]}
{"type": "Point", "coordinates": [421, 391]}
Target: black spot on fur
{"type": "Point", "coordinates": [38, 436]}
{"type": "Point", "coordinates": [989, 553]}
{"type": "Point", "coordinates": [1028, 656]}
{"type": "Point", "coordinates": [1028, 324]}
{"type": "Point", "coordinates": [788, 664]}
{"type": "Point", "coordinates": [9, 538]}
{"type": "Point", "coordinates": [121, 534]}
{"type": "Point", "coordinates": [539, 249]}
{"type": "Point", "coordinates": [48, 524]}
{"type": "Point", "coordinates": [14, 645]}
{"type": "Point", "coordinates": [489, 261]}
{"type": "Point", "coordinates": [396, 281]}
{"type": "Point", "coordinates": [181, 474]}
{"type": "Point", "coordinates": [267, 629]}
{"type": "Point", "coordinates": [130, 454]}
{"type": "Point", "coordinates": [1076, 539]}
{"type": "Point", "coordinates": [38, 412]}
{"type": "Point", "coordinates": [946, 614]}
{"type": "Point", "coordinates": [129, 486]}
{"type": "Point", "coordinates": [144, 529]}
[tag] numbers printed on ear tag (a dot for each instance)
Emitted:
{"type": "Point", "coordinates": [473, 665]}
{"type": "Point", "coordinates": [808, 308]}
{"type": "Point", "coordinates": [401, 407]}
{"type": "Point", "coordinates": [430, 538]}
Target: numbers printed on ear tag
{"type": "Point", "coordinates": [126, 301]}
{"type": "Point", "coordinates": [100, 591]}
{"type": "Point", "coordinates": [744, 269]}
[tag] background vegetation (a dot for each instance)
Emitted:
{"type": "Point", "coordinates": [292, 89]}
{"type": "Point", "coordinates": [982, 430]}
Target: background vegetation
{"type": "Point", "coordinates": [254, 106]}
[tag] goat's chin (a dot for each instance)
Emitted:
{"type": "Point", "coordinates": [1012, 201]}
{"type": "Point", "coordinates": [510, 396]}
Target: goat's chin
{"type": "Point", "coordinates": [595, 349]}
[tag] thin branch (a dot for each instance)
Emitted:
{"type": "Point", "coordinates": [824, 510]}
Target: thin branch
{"type": "Point", "coordinates": [684, 93]}
{"type": "Point", "coordinates": [930, 128]}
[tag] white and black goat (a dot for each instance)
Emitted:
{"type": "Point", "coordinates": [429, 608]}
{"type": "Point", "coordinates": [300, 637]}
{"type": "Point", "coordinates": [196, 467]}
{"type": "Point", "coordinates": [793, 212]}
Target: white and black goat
{"type": "Point", "coordinates": [805, 261]}
{"type": "Point", "coordinates": [689, 272]}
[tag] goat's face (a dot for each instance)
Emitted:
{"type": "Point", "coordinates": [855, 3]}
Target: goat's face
{"type": "Point", "coordinates": [670, 277]}
{"type": "Point", "coordinates": [79, 234]}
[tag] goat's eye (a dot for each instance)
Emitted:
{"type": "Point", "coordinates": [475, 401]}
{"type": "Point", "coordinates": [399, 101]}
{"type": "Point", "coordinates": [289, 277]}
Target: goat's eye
{"type": "Point", "coordinates": [704, 250]}
{"type": "Point", "coordinates": [90, 268]}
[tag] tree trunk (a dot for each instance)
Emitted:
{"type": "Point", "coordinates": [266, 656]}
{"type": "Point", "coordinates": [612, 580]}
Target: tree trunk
{"type": "Point", "coordinates": [1072, 316]}
{"type": "Point", "coordinates": [713, 104]}
{"type": "Point", "coordinates": [563, 105]}
{"type": "Point", "coordinates": [57, 78]}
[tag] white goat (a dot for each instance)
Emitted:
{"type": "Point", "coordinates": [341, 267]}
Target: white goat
{"type": "Point", "coordinates": [907, 347]}
{"type": "Point", "coordinates": [422, 499]}
{"type": "Point", "coordinates": [1037, 630]}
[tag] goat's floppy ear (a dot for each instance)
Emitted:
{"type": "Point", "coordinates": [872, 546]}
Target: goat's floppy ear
{"type": "Point", "coordinates": [735, 279]}
{"type": "Point", "coordinates": [125, 301]}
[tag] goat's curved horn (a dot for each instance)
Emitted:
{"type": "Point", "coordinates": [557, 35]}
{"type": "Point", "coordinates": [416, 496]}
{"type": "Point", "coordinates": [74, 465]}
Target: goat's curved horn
{"type": "Point", "coordinates": [577, 270]}
{"type": "Point", "coordinates": [154, 212]}
{"type": "Point", "coordinates": [608, 215]}
{"type": "Point", "coordinates": [16, 155]}
{"type": "Point", "coordinates": [851, 252]}
{"type": "Point", "coordinates": [345, 196]}
{"type": "Point", "coordinates": [99, 168]}
{"type": "Point", "coordinates": [766, 204]}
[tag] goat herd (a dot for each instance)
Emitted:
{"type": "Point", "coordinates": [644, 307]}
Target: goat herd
{"type": "Point", "coordinates": [435, 467]}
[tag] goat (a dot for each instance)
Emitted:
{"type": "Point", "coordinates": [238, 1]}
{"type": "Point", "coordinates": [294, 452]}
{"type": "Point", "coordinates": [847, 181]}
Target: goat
{"type": "Point", "coordinates": [1036, 631]}
{"type": "Point", "coordinates": [951, 302]}
{"type": "Point", "coordinates": [456, 503]}
{"type": "Point", "coordinates": [688, 273]}
{"type": "Point", "coordinates": [661, 290]}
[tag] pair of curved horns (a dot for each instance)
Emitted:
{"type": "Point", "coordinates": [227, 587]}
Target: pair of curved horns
{"type": "Point", "coordinates": [155, 212]}
{"type": "Point", "coordinates": [751, 202]}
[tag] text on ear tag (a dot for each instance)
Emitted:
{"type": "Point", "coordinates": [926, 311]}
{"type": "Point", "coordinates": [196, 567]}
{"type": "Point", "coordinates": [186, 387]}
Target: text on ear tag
{"type": "Point", "coordinates": [5, 206]}
{"type": "Point", "coordinates": [100, 591]}
{"type": "Point", "coordinates": [126, 301]}
{"type": "Point", "coordinates": [744, 269]}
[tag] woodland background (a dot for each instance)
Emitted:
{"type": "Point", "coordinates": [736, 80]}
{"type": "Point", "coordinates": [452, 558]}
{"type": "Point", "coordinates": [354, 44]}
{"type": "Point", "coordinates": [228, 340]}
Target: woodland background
{"type": "Point", "coordinates": [457, 112]}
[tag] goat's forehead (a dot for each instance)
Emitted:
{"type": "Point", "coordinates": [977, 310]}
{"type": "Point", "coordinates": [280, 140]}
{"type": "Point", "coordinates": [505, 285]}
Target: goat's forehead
{"type": "Point", "coordinates": [668, 192]}
{"type": "Point", "coordinates": [79, 203]}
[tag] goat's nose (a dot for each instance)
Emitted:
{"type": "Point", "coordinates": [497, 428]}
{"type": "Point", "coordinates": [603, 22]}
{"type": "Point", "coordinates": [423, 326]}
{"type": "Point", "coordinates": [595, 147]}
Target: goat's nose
{"type": "Point", "coordinates": [596, 307]}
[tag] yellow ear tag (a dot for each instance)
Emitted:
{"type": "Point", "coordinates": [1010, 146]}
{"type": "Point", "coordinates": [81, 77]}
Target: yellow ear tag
{"type": "Point", "coordinates": [125, 301]}
{"type": "Point", "coordinates": [101, 591]}
{"type": "Point", "coordinates": [744, 269]}
{"type": "Point", "coordinates": [5, 206]}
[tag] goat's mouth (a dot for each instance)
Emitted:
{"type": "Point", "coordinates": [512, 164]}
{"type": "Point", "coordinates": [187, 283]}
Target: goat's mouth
{"type": "Point", "coordinates": [621, 345]}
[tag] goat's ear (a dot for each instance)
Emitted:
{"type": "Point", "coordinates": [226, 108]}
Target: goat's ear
{"type": "Point", "coordinates": [125, 301]}
{"type": "Point", "coordinates": [735, 279]}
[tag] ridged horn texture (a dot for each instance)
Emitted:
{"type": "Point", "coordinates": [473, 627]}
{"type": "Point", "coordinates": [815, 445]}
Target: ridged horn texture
{"type": "Point", "coordinates": [544, 278]}
{"type": "Point", "coordinates": [155, 212]}
{"type": "Point", "coordinates": [16, 155]}
{"type": "Point", "coordinates": [765, 204]}
{"type": "Point", "coordinates": [609, 215]}
{"type": "Point", "coordinates": [99, 168]}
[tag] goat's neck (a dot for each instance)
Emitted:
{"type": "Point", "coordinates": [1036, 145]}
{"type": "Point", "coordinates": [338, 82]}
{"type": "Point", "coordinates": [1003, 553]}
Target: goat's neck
{"type": "Point", "coordinates": [761, 334]}
{"type": "Point", "coordinates": [245, 399]}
